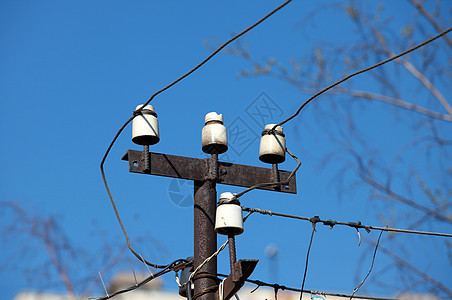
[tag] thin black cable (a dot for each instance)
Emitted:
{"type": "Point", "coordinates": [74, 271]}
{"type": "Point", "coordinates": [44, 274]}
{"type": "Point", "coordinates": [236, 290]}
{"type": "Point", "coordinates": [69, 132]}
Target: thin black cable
{"type": "Point", "coordinates": [371, 267]}
{"type": "Point", "coordinates": [148, 101]}
{"type": "Point", "coordinates": [359, 72]}
{"type": "Point", "coordinates": [166, 269]}
{"type": "Point", "coordinates": [260, 283]}
{"type": "Point", "coordinates": [307, 260]}
{"type": "Point", "coordinates": [357, 225]}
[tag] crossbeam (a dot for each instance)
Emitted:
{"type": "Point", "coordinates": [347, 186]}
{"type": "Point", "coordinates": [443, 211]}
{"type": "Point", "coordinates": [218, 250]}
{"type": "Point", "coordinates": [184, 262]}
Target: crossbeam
{"type": "Point", "coordinates": [195, 169]}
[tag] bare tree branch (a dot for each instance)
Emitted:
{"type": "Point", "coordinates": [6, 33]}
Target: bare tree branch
{"type": "Point", "coordinates": [396, 197]}
{"type": "Point", "coordinates": [393, 101]}
{"type": "Point", "coordinates": [412, 69]}
{"type": "Point", "coordinates": [260, 69]}
{"type": "Point", "coordinates": [405, 264]}
{"type": "Point", "coordinates": [429, 17]}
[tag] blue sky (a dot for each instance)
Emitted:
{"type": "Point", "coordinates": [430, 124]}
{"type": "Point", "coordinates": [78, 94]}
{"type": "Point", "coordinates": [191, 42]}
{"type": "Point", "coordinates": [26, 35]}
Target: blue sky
{"type": "Point", "coordinates": [73, 72]}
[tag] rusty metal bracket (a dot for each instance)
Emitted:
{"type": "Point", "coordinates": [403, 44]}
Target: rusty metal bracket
{"type": "Point", "coordinates": [234, 282]}
{"type": "Point", "coordinates": [195, 169]}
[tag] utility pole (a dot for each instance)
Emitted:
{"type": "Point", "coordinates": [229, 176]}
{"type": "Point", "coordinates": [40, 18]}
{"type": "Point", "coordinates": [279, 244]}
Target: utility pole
{"type": "Point", "coordinates": [206, 173]}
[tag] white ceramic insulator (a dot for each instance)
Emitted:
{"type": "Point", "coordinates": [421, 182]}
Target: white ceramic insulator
{"type": "Point", "coordinates": [273, 146]}
{"type": "Point", "coordinates": [214, 135]}
{"type": "Point", "coordinates": [229, 219]}
{"type": "Point", "coordinates": [145, 127]}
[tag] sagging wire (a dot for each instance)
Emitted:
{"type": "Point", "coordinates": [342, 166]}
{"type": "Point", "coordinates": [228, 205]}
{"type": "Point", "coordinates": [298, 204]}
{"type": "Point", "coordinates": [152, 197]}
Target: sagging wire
{"type": "Point", "coordinates": [168, 268]}
{"type": "Point", "coordinates": [356, 225]}
{"type": "Point", "coordinates": [277, 286]}
{"type": "Point", "coordinates": [307, 258]}
{"type": "Point", "coordinates": [281, 183]}
{"type": "Point", "coordinates": [371, 267]}
{"type": "Point", "coordinates": [138, 111]}
{"type": "Point", "coordinates": [360, 72]}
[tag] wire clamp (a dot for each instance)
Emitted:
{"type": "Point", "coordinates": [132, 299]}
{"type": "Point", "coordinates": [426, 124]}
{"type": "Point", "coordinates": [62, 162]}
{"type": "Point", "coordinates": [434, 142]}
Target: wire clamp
{"type": "Point", "coordinates": [330, 223]}
{"type": "Point", "coordinates": [314, 221]}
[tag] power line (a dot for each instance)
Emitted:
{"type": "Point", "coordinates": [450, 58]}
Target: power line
{"type": "Point", "coordinates": [360, 72]}
{"type": "Point", "coordinates": [307, 260]}
{"type": "Point", "coordinates": [333, 223]}
{"type": "Point", "coordinates": [168, 268]}
{"type": "Point", "coordinates": [371, 267]}
{"type": "Point", "coordinates": [148, 101]}
{"type": "Point", "coordinates": [277, 286]}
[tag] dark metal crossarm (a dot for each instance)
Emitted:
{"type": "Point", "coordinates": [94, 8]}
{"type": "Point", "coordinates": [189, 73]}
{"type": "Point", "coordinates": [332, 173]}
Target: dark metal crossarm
{"type": "Point", "coordinates": [195, 169]}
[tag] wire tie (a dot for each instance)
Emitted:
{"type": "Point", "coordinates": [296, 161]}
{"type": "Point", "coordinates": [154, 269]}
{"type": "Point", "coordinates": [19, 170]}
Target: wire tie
{"type": "Point", "coordinates": [314, 221]}
{"type": "Point", "coordinates": [177, 279]}
{"type": "Point", "coordinates": [255, 289]}
{"type": "Point", "coordinates": [267, 212]}
{"type": "Point", "coordinates": [330, 223]}
{"type": "Point", "coordinates": [359, 236]}
{"type": "Point", "coordinates": [359, 225]}
{"type": "Point", "coordinates": [220, 290]}
{"type": "Point", "coordinates": [146, 265]}
{"type": "Point", "coordinates": [108, 296]}
{"type": "Point", "coordinates": [134, 276]}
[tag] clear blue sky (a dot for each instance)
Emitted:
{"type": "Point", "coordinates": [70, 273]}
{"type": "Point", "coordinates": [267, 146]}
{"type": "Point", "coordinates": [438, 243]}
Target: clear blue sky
{"type": "Point", "coordinates": [73, 72]}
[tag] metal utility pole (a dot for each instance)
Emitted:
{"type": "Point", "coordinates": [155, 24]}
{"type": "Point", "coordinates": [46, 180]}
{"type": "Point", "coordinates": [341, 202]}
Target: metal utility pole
{"type": "Point", "coordinates": [205, 237]}
{"type": "Point", "coordinates": [203, 173]}
{"type": "Point", "coordinates": [206, 173]}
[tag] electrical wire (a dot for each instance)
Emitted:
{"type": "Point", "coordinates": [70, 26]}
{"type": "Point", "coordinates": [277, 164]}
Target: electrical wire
{"type": "Point", "coordinates": [371, 267]}
{"type": "Point", "coordinates": [165, 268]}
{"type": "Point", "coordinates": [149, 100]}
{"type": "Point", "coordinates": [211, 289]}
{"type": "Point", "coordinates": [168, 268]}
{"type": "Point", "coordinates": [188, 291]}
{"type": "Point", "coordinates": [276, 286]}
{"type": "Point", "coordinates": [285, 182]}
{"type": "Point", "coordinates": [360, 72]}
{"type": "Point", "coordinates": [205, 262]}
{"type": "Point", "coordinates": [356, 225]}
{"type": "Point", "coordinates": [307, 260]}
